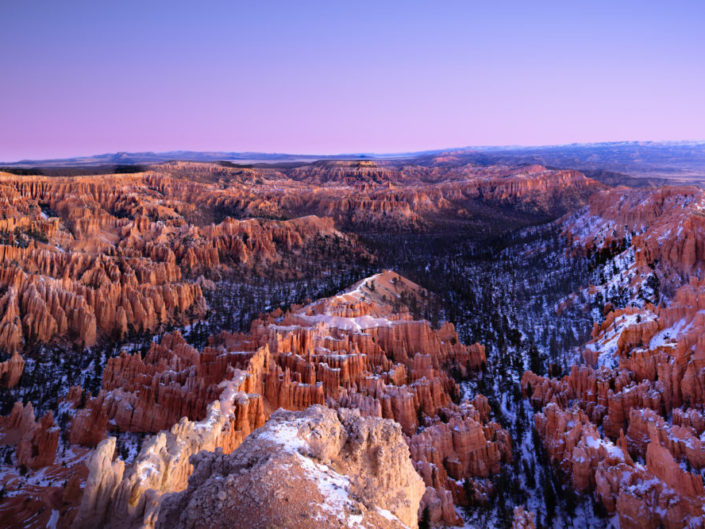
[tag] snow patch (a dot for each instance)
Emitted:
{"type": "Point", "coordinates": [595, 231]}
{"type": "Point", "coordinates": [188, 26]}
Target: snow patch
{"type": "Point", "coordinates": [53, 519]}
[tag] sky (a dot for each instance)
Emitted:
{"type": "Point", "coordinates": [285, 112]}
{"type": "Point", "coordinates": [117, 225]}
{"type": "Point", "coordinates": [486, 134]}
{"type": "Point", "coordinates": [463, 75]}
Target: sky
{"type": "Point", "coordinates": [326, 77]}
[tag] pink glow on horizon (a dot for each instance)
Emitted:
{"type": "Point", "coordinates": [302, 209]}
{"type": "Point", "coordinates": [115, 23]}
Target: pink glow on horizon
{"type": "Point", "coordinates": [329, 77]}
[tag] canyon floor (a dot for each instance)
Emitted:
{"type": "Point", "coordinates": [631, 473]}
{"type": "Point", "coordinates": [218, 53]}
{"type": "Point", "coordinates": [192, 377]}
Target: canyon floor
{"type": "Point", "coordinates": [443, 341]}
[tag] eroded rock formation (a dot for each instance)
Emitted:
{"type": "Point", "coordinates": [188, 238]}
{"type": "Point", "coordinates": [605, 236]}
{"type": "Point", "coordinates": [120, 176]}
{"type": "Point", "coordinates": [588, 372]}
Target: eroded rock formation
{"type": "Point", "coordinates": [642, 387]}
{"type": "Point", "coordinates": [316, 467]}
{"type": "Point", "coordinates": [523, 519]}
{"type": "Point", "coordinates": [11, 370]}
{"type": "Point", "coordinates": [118, 497]}
{"type": "Point", "coordinates": [90, 259]}
{"type": "Point", "coordinates": [35, 441]}
{"type": "Point", "coordinates": [353, 350]}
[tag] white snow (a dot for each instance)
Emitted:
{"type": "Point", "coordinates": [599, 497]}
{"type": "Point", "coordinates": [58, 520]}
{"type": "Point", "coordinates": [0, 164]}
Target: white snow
{"type": "Point", "coordinates": [667, 337]}
{"type": "Point", "coordinates": [53, 519]}
{"type": "Point", "coordinates": [389, 516]}
{"type": "Point", "coordinates": [285, 434]}
{"type": "Point", "coordinates": [610, 447]}
{"type": "Point", "coordinates": [335, 489]}
{"type": "Point", "coordinates": [607, 347]}
{"type": "Point", "coordinates": [358, 323]}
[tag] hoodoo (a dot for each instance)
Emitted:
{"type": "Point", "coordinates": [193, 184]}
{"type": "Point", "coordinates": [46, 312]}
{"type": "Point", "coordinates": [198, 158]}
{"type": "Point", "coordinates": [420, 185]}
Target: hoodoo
{"type": "Point", "coordinates": [197, 345]}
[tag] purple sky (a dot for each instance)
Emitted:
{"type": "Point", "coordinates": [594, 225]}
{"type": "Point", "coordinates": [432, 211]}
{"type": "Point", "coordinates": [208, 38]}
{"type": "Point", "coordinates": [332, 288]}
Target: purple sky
{"type": "Point", "coordinates": [87, 77]}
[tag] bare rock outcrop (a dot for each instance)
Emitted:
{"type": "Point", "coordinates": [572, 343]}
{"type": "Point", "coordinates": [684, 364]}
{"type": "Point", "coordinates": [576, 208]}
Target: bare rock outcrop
{"type": "Point", "coordinates": [317, 467]}
{"type": "Point", "coordinates": [87, 259]}
{"type": "Point", "coordinates": [163, 466]}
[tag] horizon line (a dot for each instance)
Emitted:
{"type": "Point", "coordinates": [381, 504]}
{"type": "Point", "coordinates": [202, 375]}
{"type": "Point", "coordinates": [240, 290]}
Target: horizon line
{"type": "Point", "coordinates": [371, 154]}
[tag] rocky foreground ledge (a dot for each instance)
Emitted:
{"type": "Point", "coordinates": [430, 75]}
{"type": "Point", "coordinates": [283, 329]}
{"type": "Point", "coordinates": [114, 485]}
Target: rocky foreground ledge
{"type": "Point", "coordinates": [318, 467]}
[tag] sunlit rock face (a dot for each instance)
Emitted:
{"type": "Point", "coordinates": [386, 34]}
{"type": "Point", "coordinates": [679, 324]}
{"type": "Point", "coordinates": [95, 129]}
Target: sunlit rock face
{"type": "Point", "coordinates": [315, 467]}
{"type": "Point", "coordinates": [387, 195]}
{"type": "Point", "coordinates": [628, 425]}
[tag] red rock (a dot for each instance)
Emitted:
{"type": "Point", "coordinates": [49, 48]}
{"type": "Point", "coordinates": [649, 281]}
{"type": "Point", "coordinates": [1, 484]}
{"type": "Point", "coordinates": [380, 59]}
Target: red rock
{"type": "Point", "coordinates": [35, 441]}
{"type": "Point", "coordinates": [11, 371]}
{"type": "Point", "coordinates": [351, 350]}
